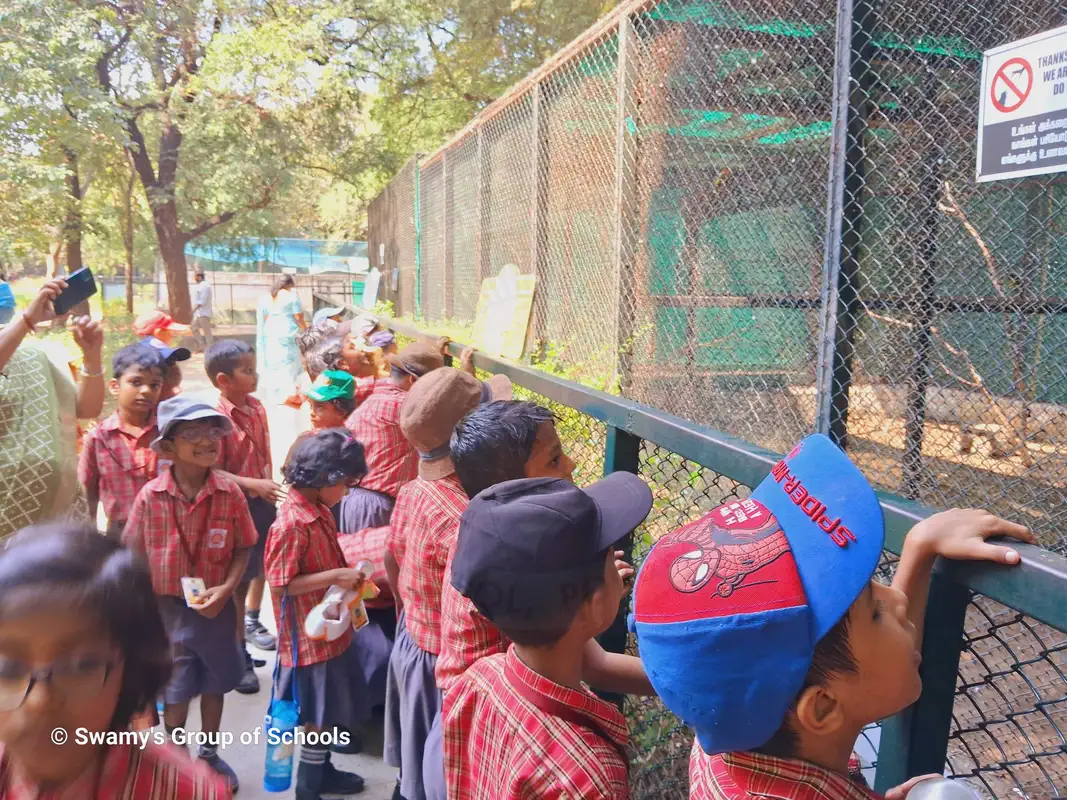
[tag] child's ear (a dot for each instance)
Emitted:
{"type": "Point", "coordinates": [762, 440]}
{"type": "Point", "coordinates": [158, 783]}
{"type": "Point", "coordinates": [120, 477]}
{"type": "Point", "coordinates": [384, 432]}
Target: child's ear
{"type": "Point", "coordinates": [166, 448]}
{"type": "Point", "coordinates": [113, 386]}
{"type": "Point", "coordinates": [223, 381]}
{"type": "Point", "coordinates": [819, 711]}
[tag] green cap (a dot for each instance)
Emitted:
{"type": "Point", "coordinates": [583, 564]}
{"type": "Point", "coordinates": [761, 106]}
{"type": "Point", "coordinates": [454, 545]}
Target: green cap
{"type": "Point", "coordinates": [332, 385]}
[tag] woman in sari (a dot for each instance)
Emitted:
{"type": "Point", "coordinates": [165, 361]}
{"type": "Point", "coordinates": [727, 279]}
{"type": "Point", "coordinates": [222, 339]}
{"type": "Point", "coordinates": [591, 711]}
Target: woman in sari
{"type": "Point", "coordinates": [42, 396]}
{"type": "Point", "coordinates": [279, 319]}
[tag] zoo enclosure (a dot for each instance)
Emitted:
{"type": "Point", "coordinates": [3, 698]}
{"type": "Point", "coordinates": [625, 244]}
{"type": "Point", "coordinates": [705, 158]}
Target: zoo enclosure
{"type": "Point", "coordinates": [761, 216]}
{"type": "Point", "coordinates": [994, 703]}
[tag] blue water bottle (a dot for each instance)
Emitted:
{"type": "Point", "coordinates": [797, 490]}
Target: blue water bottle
{"type": "Point", "coordinates": [281, 722]}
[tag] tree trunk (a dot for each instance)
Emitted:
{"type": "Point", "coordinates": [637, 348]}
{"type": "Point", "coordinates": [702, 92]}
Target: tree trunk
{"type": "Point", "coordinates": [127, 236]}
{"type": "Point", "coordinates": [55, 255]}
{"type": "Point", "coordinates": [172, 251]}
{"type": "Point", "coordinates": [72, 225]}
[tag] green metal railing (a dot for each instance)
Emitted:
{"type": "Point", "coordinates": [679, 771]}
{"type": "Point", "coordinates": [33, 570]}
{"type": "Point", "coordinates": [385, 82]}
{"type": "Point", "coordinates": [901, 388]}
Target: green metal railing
{"type": "Point", "coordinates": [994, 704]}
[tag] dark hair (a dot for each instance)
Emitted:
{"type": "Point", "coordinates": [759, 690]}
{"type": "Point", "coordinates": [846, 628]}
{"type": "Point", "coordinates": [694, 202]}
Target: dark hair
{"type": "Point", "coordinates": [493, 443]}
{"type": "Point", "coordinates": [137, 355]}
{"type": "Point", "coordinates": [75, 567]}
{"type": "Point", "coordinates": [546, 625]}
{"type": "Point", "coordinates": [833, 656]}
{"type": "Point", "coordinates": [311, 337]}
{"type": "Point", "coordinates": [199, 274]}
{"type": "Point", "coordinates": [284, 282]}
{"type": "Point", "coordinates": [327, 354]}
{"type": "Point", "coordinates": [324, 458]}
{"type": "Point", "coordinates": [346, 405]}
{"type": "Point", "coordinates": [225, 356]}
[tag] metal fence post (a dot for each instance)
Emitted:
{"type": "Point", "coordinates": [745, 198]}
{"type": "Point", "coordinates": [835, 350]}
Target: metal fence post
{"type": "Point", "coordinates": [622, 453]}
{"type": "Point", "coordinates": [922, 340]}
{"type": "Point", "coordinates": [841, 254]}
{"type": "Point", "coordinates": [625, 199]}
{"type": "Point", "coordinates": [538, 212]}
{"type": "Point", "coordinates": [915, 741]}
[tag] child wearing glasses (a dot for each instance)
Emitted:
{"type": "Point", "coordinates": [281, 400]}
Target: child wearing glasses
{"type": "Point", "coordinates": [82, 649]}
{"type": "Point", "coordinates": [194, 529]}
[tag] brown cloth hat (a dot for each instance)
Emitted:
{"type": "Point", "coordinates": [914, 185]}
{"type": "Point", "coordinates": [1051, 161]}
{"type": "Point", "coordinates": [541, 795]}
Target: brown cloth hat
{"type": "Point", "coordinates": [435, 405]}
{"type": "Point", "coordinates": [417, 359]}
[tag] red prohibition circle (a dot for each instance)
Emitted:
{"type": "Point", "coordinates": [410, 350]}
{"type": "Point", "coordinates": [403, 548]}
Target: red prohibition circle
{"type": "Point", "coordinates": [1015, 96]}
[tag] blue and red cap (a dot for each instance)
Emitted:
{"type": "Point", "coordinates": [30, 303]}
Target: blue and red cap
{"type": "Point", "coordinates": [728, 609]}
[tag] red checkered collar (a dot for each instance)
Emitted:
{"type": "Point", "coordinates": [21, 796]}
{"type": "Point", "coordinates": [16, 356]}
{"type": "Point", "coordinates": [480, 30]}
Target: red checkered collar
{"type": "Point", "coordinates": [229, 409]}
{"type": "Point", "coordinates": [305, 511]}
{"type": "Point", "coordinates": [603, 715]}
{"type": "Point", "coordinates": [101, 779]}
{"type": "Point", "coordinates": [167, 484]}
{"type": "Point", "coordinates": [750, 774]}
{"type": "Point", "coordinates": [114, 423]}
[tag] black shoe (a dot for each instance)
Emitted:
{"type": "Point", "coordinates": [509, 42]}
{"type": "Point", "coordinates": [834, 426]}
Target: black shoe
{"type": "Point", "coordinates": [223, 769]}
{"type": "Point", "coordinates": [252, 662]}
{"type": "Point", "coordinates": [336, 782]}
{"type": "Point", "coordinates": [257, 634]}
{"type": "Point", "coordinates": [396, 792]}
{"type": "Point", "coordinates": [249, 682]}
{"type": "Point", "coordinates": [354, 746]}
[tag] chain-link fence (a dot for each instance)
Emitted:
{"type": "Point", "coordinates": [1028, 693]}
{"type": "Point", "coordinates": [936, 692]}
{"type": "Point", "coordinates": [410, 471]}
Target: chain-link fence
{"type": "Point", "coordinates": [763, 219]}
{"type": "Point", "coordinates": [665, 177]}
{"type": "Point", "coordinates": [1006, 672]}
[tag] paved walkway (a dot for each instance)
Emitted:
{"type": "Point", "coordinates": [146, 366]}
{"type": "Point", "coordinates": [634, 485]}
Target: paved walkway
{"type": "Point", "coordinates": [245, 713]}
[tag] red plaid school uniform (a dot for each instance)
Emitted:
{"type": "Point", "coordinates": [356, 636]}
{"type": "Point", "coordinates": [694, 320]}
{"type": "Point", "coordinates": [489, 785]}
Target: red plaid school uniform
{"type": "Point", "coordinates": [246, 451]}
{"type": "Point", "coordinates": [391, 459]}
{"type": "Point", "coordinates": [302, 541]}
{"type": "Point", "coordinates": [153, 773]}
{"type": "Point", "coordinates": [422, 532]}
{"type": "Point", "coordinates": [369, 544]}
{"type": "Point", "coordinates": [212, 527]}
{"type": "Point", "coordinates": [466, 636]}
{"type": "Point", "coordinates": [363, 388]}
{"type": "Point", "coordinates": [117, 461]}
{"type": "Point", "coordinates": [498, 743]}
{"type": "Point", "coordinates": [735, 776]}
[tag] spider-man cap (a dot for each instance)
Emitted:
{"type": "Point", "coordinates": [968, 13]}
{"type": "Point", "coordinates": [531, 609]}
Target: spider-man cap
{"type": "Point", "coordinates": [727, 609]}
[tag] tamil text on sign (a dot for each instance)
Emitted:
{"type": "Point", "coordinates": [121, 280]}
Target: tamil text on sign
{"type": "Point", "coordinates": [1022, 117]}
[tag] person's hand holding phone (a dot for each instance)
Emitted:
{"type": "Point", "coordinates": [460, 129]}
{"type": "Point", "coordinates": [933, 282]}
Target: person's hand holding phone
{"type": "Point", "coordinates": [41, 309]}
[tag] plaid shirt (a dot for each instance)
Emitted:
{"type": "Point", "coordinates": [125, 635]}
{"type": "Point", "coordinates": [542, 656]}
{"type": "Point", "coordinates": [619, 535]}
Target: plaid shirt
{"type": "Point", "coordinates": [116, 462]}
{"type": "Point", "coordinates": [364, 388]}
{"type": "Point", "coordinates": [499, 743]}
{"type": "Point", "coordinates": [422, 533]}
{"type": "Point", "coordinates": [246, 451]}
{"type": "Point", "coordinates": [466, 636]}
{"type": "Point", "coordinates": [157, 772]}
{"type": "Point", "coordinates": [184, 539]}
{"type": "Point", "coordinates": [369, 544]}
{"type": "Point", "coordinates": [391, 459]}
{"type": "Point", "coordinates": [302, 541]}
{"type": "Point", "coordinates": [735, 776]}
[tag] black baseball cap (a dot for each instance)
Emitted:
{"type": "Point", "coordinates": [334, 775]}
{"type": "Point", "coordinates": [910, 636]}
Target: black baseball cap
{"type": "Point", "coordinates": [527, 547]}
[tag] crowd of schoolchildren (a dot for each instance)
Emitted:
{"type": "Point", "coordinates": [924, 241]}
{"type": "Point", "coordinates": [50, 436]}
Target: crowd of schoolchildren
{"type": "Point", "coordinates": [760, 624]}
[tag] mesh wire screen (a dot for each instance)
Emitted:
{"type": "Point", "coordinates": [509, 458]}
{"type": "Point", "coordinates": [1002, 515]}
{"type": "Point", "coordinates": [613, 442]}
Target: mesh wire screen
{"type": "Point", "coordinates": [432, 238]}
{"type": "Point", "coordinates": [1010, 711]}
{"type": "Point", "coordinates": [508, 142]}
{"type": "Point", "coordinates": [391, 239]}
{"type": "Point", "coordinates": [954, 397]}
{"type": "Point", "coordinates": [681, 242]}
{"type": "Point", "coordinates": [579, 289]}
{"type": "Point", "coordinates": [461, 296]}
{"type": "Point", "coordinates": [731, 191]}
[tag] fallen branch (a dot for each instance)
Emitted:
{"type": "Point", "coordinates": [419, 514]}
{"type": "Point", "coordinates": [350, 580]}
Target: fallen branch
{"type": "Point", "coordinates": [952, 208]}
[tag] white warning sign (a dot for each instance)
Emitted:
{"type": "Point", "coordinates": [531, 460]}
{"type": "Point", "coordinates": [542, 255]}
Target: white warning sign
{"type": "Point", "coordinates": [1022, 116]}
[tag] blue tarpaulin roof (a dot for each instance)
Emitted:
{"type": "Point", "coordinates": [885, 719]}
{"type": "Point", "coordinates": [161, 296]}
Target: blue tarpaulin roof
{"type": "Point", "coordinates": [303, 255]}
